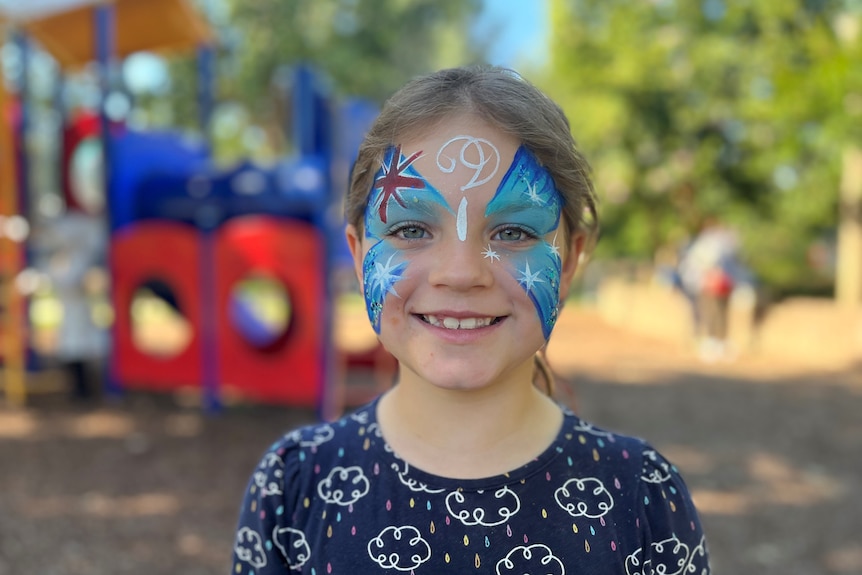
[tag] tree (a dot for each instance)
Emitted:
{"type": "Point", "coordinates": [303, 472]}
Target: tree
{"type": "Point", "coordinates": [692, 109]}
{"type": "Point", "coordinates": [365, 48]}
{"type": "Point", "coordinates": [368, 48]}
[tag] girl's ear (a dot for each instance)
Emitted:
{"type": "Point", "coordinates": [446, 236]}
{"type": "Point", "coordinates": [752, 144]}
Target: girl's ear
{"type": "Point", "coordinates": [354, 242]}
{"type": "Point", "coordinates": [570, 264]}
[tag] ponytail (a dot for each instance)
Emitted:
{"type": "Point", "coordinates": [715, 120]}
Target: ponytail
{"type": "Point", "coordinates": [559, 389]}
{"type": "Point", "coordinates": [544, 377]}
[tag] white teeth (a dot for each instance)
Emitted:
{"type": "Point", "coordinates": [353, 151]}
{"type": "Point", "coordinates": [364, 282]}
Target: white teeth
{"type": "Point", "coordinates": [455, 323]}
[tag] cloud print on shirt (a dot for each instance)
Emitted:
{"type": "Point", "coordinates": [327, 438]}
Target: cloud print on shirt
{"type": "Point", "coordinates": [401, 548]}
{"type": "Point", "coordinates": [320, 434]}
{"type": "Point", "coordinates": [671, 557]}
{"type": "Point", "coordinates": [655, 469]}
{"type": "Point", "coordinates": [288, 539]}
{"type": "Point", "coordinates": [463, 507]}
{"type": "Point", "coordinates": [269, 474]}
{"type": "Point", "coordinates": [249, 548]}
{"type": "Point", "coordinates": [532, 559]}
{"type": "Point", "coordinates": [343, 485]}
{"type": "Point", "coordinates": [584, 497]}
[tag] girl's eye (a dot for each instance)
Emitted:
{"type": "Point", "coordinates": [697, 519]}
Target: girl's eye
{"type": "Point", "coordinates": [513, 234]}
{"type": "Point", "coordinates": [408, 232]}
{"type": "Point", "coordinates": [412, 233]}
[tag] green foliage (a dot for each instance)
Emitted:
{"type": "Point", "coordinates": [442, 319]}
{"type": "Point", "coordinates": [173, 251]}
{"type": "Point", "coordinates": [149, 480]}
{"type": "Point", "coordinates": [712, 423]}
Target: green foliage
{"type": "Point", "coordinates": [367, 47]}
{"type": "Point", "coordinates": [691, 109]}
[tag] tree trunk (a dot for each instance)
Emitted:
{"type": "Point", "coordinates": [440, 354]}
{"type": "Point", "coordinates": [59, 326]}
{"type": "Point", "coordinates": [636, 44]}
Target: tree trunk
{"type": "Point", "coordinates": [848, 265]}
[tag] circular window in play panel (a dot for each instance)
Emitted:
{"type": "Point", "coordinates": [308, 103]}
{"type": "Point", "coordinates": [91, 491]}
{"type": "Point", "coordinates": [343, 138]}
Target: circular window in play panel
{"type": "Point", "coordinates": [260, 310]}
{"type": "Point", "coordinates": [159, 327]}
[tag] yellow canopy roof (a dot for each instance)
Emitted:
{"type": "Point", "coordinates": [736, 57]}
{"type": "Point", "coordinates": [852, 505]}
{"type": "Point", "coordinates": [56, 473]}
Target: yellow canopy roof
{"type": "Point", "coordinates": [151, 25]}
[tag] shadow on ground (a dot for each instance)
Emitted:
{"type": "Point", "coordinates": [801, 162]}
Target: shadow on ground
{"type": "Point", "coordinates": [775, 468]}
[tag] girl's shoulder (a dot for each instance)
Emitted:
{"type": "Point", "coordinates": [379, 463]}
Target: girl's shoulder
{"type": "Point", "coordinates": [319, 438]}
{"type": "Point", "coordinates": [321, 441]}
{"type": "Point", "coordinates": [616, 453]}
{"type": "Point", "coordinates": [292, 463]}
{"type": "Point", "coordinates": [589, 435]}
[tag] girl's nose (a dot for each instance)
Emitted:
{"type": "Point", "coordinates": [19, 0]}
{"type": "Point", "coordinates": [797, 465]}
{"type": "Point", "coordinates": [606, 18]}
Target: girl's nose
{"type": "Point", "coordinates": [462, 265]}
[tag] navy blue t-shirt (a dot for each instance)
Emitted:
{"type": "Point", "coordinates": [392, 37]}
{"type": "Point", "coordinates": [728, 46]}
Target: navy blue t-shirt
{"type": "Point", "coordinates": [333, 499]}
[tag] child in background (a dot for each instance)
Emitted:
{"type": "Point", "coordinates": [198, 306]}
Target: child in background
{"type": "Point", "coordinates": [74, 247]}
{"type": "Point", "coordinates": [468, 212]}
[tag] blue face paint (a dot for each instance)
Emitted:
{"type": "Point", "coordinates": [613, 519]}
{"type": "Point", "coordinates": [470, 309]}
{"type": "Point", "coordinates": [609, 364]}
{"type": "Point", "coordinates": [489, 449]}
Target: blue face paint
{"type": "Point", "coordinates": [381, 270]}
{"type": "Point", "coordinates": [399, 195]}
{"type": "Point", "coordinates": [527, 198]}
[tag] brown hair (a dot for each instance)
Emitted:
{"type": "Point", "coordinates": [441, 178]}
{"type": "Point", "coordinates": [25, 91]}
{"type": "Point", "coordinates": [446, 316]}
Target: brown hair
{"type": "Point", "coordinates": [505, 100]}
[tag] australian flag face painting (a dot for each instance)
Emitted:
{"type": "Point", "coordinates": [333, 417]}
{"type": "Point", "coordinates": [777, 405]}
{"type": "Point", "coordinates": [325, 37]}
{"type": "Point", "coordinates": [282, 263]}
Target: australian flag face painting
{"type": "Point", "coordinates": [517, 227]}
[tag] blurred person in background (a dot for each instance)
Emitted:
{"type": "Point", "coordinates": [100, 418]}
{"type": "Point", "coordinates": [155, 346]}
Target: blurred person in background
{"type": "Point", "coordinates": [710, 270]}
{"type": "Point", "coordinates": [73, 250]}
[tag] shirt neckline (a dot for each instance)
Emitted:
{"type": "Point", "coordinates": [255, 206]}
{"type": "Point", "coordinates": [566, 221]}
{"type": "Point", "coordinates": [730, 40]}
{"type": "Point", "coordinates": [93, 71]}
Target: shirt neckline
{"type": "Point", "coordinates": [418, 477]}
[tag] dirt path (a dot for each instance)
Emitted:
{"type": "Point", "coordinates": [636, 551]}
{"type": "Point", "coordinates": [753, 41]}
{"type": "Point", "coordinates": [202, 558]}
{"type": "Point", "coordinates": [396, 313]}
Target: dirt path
{"type": "Point", "coordinates": [772, 453]}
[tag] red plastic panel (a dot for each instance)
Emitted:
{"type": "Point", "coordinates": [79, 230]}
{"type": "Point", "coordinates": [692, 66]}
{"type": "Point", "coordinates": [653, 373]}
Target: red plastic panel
{"type": "Point", "coordinates": [169, 252]}
{"type": "Point", "coordinates": [290, 371]}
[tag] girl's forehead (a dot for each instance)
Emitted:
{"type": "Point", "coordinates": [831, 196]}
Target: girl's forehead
{"type": "Point", "coordinates": [461, 153]}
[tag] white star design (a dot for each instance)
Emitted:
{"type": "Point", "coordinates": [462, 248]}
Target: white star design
{"type": "Point", "coordinates": [532, 194]}
{"type": "Point", "coordinates": [555, 249]}
{"type": "Point", "coordinates": [528, 279]}
{"type": "Point", "coordinates": [384, 278]}
{"type": "Point", "coordinates": [491, 254]}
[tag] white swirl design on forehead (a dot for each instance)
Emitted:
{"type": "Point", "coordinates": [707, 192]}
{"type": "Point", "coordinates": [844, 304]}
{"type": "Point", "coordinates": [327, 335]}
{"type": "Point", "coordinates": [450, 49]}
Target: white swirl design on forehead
{"type": "Point", "coordinates": [486, 152]}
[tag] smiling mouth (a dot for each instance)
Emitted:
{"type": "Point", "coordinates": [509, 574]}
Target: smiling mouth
{"type": "Point", "coordinates": [459, 323]}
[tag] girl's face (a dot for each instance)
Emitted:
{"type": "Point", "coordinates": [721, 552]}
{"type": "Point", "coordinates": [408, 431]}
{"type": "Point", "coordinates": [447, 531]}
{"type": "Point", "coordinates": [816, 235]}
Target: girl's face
{"type": "Point", "coordinates": [461, 256]}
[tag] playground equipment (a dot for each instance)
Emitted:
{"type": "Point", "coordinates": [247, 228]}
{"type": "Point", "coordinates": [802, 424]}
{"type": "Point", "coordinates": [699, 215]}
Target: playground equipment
{"type": "Point", "coordinates": [11, 251]}
{"type": "Point", "coordinates": [75, 33]}
{"type": "Point", "coordinates": [222, 228]}
{"type": "Point", "coordinates": [208, 239]}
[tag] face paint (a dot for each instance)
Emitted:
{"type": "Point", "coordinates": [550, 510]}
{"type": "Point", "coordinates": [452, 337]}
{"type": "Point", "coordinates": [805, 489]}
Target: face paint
{"type": "Point", "coordinates": [395, 176]}
{"type": "Point", "coordinates": [485, 167]}
{"type": "Point", "coordinates": [399, 194]}
{"type": "Point", "coordinates": [461, 220]}
{"type": "Point", "coordinates": [527, 198]}
{"type": "Point", "coordinates": [381, 270]}
{"type": "Point", "coordinates": [490, 254]}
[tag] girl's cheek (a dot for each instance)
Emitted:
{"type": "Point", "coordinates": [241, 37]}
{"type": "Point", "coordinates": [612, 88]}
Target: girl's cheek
{"type": "Point", "coordinates": [537, 271]}
{"type": "Point", "coordinates": [382, 268]}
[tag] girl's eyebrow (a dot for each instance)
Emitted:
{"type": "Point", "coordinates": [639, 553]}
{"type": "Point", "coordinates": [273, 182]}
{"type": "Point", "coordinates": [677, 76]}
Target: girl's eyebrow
{"type": "Point", "coordinates": [515, 205]}
{"type": "Point", "coordinates": [424, 201]}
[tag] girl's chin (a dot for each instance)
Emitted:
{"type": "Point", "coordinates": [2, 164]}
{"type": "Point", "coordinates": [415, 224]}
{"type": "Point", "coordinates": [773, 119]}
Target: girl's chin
{"type": "Point", "coordinates": [458, 377]}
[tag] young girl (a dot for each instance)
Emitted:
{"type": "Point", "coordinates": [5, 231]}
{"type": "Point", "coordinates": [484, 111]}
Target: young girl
{"type": "Point", "coordinates": [468, 210]}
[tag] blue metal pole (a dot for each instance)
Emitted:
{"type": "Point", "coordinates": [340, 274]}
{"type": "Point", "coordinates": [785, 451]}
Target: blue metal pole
{"type": "Point", "coordinates": [105, 26]}
{"type": "Point", "coordinates": [206, 89]}
{"type": "Point", "coordinates": [208, 225]}
{"type": "Point", "coordinates": [25, 53]}
{"type": "Point", "coordinates": [208, 221]}
{"type": "Point", "coordinates": [59, 100]}
{"type": "Point", "coordinates": [304, 117]}
{"type": "Point", "coordinates": [105, 41]}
